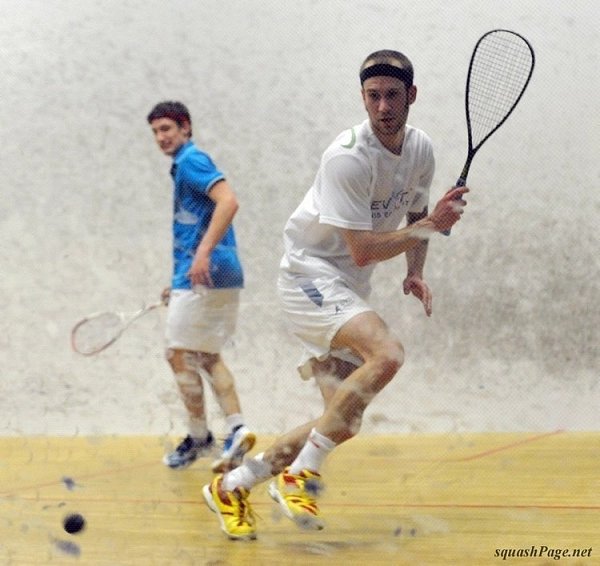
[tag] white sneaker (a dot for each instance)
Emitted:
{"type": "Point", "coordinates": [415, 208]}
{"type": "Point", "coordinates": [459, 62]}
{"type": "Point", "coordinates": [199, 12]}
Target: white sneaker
{"type": "Point", "coordinates": [239, 441]}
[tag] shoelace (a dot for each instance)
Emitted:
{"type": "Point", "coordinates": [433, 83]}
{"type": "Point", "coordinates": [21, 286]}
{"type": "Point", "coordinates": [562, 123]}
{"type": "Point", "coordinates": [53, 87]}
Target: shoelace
{"type": "Point", "coordinates": [246, 515]}
{"type": "Point", "coordinates": [185, 445]}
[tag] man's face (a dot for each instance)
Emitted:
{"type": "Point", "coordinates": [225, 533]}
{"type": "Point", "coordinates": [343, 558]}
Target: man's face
{"type": "Point", "coordinates": [386, 101]}
{"type": "Point", "coordinates": [169, 135]}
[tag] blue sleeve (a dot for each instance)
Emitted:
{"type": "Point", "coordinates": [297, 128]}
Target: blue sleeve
{"type": "Point", "coordinates": [198, 173]}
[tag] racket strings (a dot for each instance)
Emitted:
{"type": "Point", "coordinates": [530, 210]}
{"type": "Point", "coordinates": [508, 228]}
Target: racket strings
{"type": "Point", "coordinates": [95, 333]}
{"type": "Point", "coordinates": [500, 70]}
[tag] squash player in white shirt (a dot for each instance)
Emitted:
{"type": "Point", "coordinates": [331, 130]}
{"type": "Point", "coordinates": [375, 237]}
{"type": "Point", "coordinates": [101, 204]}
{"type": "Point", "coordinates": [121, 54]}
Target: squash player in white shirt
{"type": "Point", "coordinates": [371, 178]}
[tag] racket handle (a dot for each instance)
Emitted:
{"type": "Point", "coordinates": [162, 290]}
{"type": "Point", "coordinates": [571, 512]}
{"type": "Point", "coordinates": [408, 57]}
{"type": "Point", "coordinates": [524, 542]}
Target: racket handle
{"type": "Point", "coordinates": [462, 181]}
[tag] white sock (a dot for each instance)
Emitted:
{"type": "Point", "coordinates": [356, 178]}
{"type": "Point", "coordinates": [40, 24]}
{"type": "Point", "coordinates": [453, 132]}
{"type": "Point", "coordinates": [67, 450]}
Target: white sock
{"type": "Point", "coordinates": [198, 428]}
{"type": "Point", "coordinates": [233, 421]}
{"type": "Point", "coordinates": [248, 474]}
{"type": "Point", "coordinates": [313, 454]}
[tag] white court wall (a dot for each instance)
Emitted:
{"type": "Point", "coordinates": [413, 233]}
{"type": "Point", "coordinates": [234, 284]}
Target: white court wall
{"type": "Point", "coordinates": [85, 214]}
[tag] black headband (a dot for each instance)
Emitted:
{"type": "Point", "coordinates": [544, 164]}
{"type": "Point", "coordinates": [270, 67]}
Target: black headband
{"type": "Point", "coordinates": [387, 70]}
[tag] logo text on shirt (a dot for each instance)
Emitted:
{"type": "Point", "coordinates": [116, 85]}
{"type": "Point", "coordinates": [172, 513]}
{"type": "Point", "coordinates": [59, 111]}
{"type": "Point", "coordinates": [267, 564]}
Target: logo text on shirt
{"type": "Point", "coordinates": [383, 208]}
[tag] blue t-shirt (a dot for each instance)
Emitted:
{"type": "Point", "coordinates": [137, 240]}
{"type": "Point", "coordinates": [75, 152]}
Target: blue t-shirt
{"type": "Point", "coordinates": [194, 174]}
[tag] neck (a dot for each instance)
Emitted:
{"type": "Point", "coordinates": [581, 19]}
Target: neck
{"type": "Point", "coordinates": [392, 143]}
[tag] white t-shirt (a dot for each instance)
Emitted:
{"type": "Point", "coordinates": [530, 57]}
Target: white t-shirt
{"type": "Point", "coordinates": [360, 185]}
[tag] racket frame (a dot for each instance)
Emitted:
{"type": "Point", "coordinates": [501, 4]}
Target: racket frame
{"type": "Point", "coordinates": [127, 320]}
{"type": "Point", "coordinates": [472, 150]}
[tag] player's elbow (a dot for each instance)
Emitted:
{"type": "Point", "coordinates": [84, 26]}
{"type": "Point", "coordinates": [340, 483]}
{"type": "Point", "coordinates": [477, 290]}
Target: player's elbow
{"type": "Point", "coordinates": [363, 252]}
{"type": "Point", "coordinates": [233, 205]}
{"type": "Point", "coordinates": [359, 247]}
{"type": "Point", "coordinates": [360, 258]}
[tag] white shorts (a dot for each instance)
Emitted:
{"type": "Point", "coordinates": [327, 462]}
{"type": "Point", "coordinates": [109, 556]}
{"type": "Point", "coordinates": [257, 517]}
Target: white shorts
{"type": "Point", "coordinates": [315, 310]}
{"type": "Point", "coordinates": [202, 320]}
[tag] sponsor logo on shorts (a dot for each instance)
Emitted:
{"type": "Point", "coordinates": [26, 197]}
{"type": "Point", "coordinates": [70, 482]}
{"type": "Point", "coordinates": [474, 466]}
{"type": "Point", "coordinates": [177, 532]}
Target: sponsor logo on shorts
{"type": "Point", "coordinates": [341, 305]}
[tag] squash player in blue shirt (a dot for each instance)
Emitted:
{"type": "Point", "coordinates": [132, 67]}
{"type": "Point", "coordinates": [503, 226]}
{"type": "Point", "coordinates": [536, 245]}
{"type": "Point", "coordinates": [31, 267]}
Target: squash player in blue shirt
{"type": "Point", "coordinates": [203, 299]}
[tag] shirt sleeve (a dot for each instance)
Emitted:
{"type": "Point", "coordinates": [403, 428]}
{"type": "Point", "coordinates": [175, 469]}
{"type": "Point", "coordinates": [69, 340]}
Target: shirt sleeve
{"type": "Point", "coordinates": [344, 193]}
{"type": "Point", "coordinates": [199, 173]}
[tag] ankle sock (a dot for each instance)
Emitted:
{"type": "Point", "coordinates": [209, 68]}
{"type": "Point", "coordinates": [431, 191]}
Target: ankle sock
{"type": "Point", "coordinates": [233, 422]}
{"type": "Point", "coordinates": [313, 454]}
{"type": "Point", "coordinates": [247, 475]}
{"type": "Point", "coordinates": [198, 429]}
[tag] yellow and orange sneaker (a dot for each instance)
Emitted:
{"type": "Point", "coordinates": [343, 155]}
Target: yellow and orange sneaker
{"type": "Point", "coordinates": [297, 497]}
{"type": "Point", "coordinates": [232, 508]}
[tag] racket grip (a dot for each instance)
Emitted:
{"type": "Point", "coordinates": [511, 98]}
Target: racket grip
{"type": "Point", "coordinates": [462, 181]}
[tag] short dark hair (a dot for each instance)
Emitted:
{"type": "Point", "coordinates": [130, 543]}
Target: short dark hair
{"type": "Point", "coordinates": [172, 109]}
{"type": "Point", "coordinates": [390, 63]}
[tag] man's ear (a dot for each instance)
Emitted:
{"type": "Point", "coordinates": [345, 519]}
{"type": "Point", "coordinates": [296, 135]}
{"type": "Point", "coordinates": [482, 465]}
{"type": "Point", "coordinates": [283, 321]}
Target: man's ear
{"type": "Point", "coordinates": [412, 94]}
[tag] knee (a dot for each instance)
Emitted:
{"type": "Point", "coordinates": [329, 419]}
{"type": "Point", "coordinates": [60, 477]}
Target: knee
{"type": "Point", "coordinates": [170, 355]}
{"type": "Point", "coordinates": [178, 360]}
{"type": "Point", "coordinates": [388, 361]}
{"type": "Point", "coordinates": [208, 361]}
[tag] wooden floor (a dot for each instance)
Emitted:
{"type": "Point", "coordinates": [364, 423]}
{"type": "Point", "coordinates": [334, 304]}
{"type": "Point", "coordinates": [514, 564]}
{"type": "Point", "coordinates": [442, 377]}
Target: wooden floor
{"type": "Point", "coordinates": [471, 499]}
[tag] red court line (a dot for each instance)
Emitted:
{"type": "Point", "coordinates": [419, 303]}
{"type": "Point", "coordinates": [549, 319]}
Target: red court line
{"type": "Point", "coordinates": [504, 447]}
{"type": "Point", "coordinates": [330, 504]}
{"type": "Point", "coordinates": [548, 506]}
{"type": "Point", "coordinates": [333, 504]}
{"type": "Point", "coordinates": [109, 472]}
{"type": "Point", "coordinates": [79, 478]}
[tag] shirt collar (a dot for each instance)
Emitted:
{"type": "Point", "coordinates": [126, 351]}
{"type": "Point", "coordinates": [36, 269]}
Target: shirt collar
{"type": "Point", "coordinates": [180, 153]}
